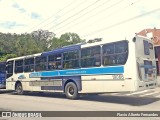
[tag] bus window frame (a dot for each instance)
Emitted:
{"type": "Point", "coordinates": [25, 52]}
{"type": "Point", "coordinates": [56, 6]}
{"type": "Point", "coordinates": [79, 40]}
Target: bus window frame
{"type": "Point", "coordinates": [91, 56]}
{"type": "Point", "coordinates": [44, 63]}
{"type": "Point", "coordinates": [54, 66]}
{"type": "Point", "coordinates": [115, 61]}
{"type": "Point", "coordinates": [29, 65]}
{"type": "Point", "coordinates": [9, 74]}
{"type": "Point", "coordinates": [19, 66]}
{"type": "Point", "coordinates": [68, 63]}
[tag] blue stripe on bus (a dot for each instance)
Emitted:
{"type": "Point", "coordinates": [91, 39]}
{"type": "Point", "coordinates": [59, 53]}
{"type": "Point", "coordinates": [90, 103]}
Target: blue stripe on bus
{"type": "Point", "coordinates": [82, 71]}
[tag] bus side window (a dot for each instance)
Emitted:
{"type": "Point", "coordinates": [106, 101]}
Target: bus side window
{"type": "Point", "coordinates": [19, 66]}
{"type": "Point", "coordinates": [40, 63]}
{"type": "Point", "coordinates": [115, 53]}
{"type": "Point", "coordinates": [90, 57]}
{"type": "Point", "coordinates": [108, 49]}
{"type": "Point", "coordinates": [121, 50]}
{"type": "Point", "coordinates": [54, 61]}
{"type": "Point", "coordinates": [9, 68]}
{"type": "Point", "coordinates": [108, 54]}
{"type": "Point", "coordinates": [71, 59]}
{"type": "Point", "coordinates": [29, 65]}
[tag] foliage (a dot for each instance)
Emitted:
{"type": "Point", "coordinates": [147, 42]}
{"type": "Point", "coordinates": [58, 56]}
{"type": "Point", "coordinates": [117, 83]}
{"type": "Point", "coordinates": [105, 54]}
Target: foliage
{"type": "Point", "coordinates": [43, 39]}
{"type": "Point", "coordinates": [7, 56]}
{"type": "Point", "coordinates": [14, 45]}
{"type": "Point", "coordinates": [72, 38]}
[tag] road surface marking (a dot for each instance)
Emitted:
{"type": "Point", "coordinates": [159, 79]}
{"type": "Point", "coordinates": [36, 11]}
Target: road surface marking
{"type": "Point", "coordinates": [148, 94]}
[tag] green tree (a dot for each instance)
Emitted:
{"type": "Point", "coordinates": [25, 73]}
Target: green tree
{"type": "Point", "coordinates": [72, 38]}
{"type": "Point", "coordinates": [25, 45]}
{"type": "Point", "coordinates": [4, 57]}
{"type": "Point", "coordinates": [7, 43]}
{"type": "Point", "coordinates": [43, 39]}
{"type": "Point", "coordinates": [65, 39]}
{"type": "Point", "coordinates": [57, 43]}
{"type": "Point", "coordinates": [14, 45]}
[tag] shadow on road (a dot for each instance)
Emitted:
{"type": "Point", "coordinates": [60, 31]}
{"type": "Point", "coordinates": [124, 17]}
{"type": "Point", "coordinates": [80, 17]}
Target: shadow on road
{"type": "Point", "coordinates": [3, 91]}
{"type": "Point", "coordinates": [42, 94]}
{"type": "Point", "coordinates": [129, 100]}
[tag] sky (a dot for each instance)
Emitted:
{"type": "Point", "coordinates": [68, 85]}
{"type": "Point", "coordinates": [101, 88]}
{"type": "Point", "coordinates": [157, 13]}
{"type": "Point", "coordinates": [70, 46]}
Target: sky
{"type": "Point", "coordinates": [106, 19]}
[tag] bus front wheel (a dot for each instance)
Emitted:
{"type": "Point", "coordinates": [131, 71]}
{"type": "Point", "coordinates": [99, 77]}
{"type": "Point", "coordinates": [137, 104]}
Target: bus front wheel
{"type": "Point", "coordinates": [19, 89]}
{"type": "Point", "coordinates": [71, 91]}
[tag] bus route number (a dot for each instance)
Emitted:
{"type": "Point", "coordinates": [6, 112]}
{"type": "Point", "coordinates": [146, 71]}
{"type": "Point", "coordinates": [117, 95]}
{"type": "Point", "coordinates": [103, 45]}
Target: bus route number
{"type": "Point", "coordinates": [118, 77]}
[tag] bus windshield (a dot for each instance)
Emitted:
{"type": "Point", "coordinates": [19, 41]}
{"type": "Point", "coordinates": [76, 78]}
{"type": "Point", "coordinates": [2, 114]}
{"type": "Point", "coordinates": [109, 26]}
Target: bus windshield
{"type": "Point", "coordinates": [2, 67]}
{"type": "Point", "coordinates": [2, 75]}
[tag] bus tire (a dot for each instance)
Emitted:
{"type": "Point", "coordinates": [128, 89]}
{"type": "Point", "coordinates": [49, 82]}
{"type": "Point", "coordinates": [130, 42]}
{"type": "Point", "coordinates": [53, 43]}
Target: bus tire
{"type": "Point", "coordinates": [19, 89]}
{"type": "Point", "coordinates": [71, 91]}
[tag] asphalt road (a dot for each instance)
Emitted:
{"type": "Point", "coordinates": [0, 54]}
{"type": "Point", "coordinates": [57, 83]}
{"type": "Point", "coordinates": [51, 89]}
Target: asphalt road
{"type": "Point", "coordinates": [142, 101]}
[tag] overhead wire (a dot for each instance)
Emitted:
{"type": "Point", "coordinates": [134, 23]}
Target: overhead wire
{"type": "Point", "coordinates": [103, 10]}
{"type": "Point", "coordinates": [52, 15]}
{"type": "Point", "coordinates": [74, 15]}
{"type": "Point", "coordinates": [112, 14]}
{"type": "Point", "coordinates": [81, 3]}
{"type": "Point", "coordinates": [84, 14]}
{"type": "Point", "coordinates": [122, 22]}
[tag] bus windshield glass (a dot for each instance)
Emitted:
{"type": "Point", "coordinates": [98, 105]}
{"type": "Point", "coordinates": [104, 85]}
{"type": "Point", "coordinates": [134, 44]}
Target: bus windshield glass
{"type": "Point", "coordinates": [2, 67]}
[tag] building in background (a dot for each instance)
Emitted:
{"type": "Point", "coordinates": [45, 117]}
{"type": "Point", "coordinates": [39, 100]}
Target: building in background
{"type": "Point", "coordinates": [154, 34]}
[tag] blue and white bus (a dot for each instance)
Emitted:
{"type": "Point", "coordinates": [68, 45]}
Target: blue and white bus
{"type": "Point", "coordinates": [93, 67]}
{"type": "Point", "coordinates": [2, 75]}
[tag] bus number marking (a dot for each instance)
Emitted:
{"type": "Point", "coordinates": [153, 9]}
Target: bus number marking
{"type": "Point", "coordinates": [118, 77]}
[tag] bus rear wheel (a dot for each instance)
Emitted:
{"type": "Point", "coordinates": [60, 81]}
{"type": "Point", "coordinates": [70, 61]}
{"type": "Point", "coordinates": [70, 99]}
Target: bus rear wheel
{"type": "Point", "coordinates": [71, 91]}
{"type": "Point", "coordinates": [19, 89]}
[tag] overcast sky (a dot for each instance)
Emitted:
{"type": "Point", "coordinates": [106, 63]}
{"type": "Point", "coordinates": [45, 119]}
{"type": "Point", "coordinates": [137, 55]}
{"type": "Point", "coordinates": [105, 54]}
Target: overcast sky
{"type": "Point", "coordinates": [88, 18]}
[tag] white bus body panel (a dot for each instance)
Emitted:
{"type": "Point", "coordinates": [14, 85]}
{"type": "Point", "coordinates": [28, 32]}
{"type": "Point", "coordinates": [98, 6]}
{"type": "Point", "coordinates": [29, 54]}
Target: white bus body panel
{"type": "Point", "coordinates": [102, 83]}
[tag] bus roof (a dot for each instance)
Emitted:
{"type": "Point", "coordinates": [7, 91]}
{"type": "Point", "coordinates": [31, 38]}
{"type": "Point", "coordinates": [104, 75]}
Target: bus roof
{"type": "Point", "coordinates": [27, 56]}
{"type": "Point", "coordinates": [75, 47]}
{"type": "Point", "coordinates": [100, 43]}
{"type": "Point", "coordinates": [63, 49]}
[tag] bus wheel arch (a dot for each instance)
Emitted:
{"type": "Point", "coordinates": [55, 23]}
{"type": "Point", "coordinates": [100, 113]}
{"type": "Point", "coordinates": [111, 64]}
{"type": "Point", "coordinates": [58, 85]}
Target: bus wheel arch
{"type": "Point", "coordinates": [71, 89]}
{"type": "Point", "coordinates": [19, 87]}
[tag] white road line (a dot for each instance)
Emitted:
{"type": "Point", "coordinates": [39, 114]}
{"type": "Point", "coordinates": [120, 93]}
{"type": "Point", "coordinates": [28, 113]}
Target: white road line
{"type": "Point", "coordinates": [139, 92]}
{"type": "Point", "coordinates": [115, 93]}
{"type": "Point", "coordinates": [152, 93]}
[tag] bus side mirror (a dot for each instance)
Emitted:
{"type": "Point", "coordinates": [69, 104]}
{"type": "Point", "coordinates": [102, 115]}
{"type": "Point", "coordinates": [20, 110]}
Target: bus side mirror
{"type": "Point", "coordinates": [134, 39]}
